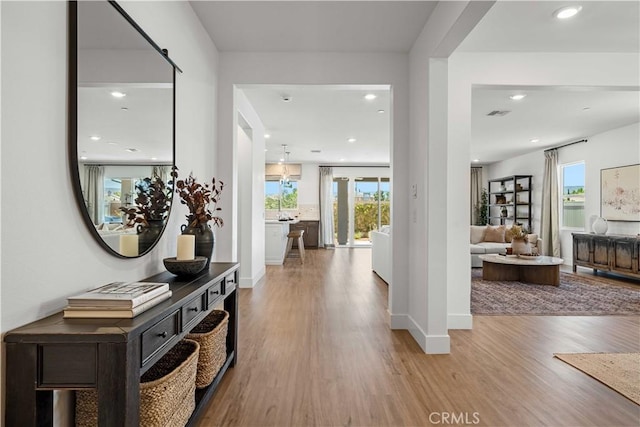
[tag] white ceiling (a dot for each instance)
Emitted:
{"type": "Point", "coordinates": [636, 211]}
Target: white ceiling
{"type": "Point", "coordinates": [324, 118]}
{"type": "Point", "coordinates": [320, 121]}
{"type": "Point", "coordinates": [303, 26]}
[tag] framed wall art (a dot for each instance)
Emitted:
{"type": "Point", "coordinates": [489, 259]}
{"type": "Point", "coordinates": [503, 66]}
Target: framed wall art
{"type": "Point", "coordinates": [620, 193]}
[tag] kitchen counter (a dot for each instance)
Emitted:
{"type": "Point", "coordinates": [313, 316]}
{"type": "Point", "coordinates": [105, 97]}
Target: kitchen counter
{"type": "Point", "coordinates": [277, 221]}
{"type": "Point", "coordinates": [275, 240]}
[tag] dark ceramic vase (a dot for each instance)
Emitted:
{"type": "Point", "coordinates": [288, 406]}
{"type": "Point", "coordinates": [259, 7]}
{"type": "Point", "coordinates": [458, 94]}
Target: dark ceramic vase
{"type": "Point", "coordinates": [148, 235]}
{"type": "Point", "coordinates": [204, 240]}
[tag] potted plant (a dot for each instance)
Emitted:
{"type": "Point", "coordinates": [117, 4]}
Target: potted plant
{"type": "Point", "coordinates": [202, 202]}
{"type": "Point", "coordinates": [153, 202]}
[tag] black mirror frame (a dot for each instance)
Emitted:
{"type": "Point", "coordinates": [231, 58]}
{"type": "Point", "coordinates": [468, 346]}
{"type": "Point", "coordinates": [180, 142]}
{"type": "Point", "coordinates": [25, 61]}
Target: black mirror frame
{"type": "Point", "coordinates": [72, 118]}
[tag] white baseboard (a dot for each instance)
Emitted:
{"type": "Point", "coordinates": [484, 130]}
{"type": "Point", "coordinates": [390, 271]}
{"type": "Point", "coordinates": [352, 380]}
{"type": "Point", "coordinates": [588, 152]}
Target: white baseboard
{"type": "Point", "coordinates": [430, 344]}
{"type": "Point", "coordinates": [459, 321]}
{"type": "Point", "coordinates": [250, 282]}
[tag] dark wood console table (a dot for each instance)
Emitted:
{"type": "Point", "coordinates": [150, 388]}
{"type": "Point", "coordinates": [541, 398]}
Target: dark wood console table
{"type": "Point", "coordinates": [110, 355]}
{"type": "Point", "coordinates": [615, 253]}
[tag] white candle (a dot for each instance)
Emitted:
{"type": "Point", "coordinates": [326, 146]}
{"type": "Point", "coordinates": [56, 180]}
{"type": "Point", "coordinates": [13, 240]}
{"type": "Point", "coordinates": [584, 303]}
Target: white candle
{"type": "Point", "coordinates": [186, 247]}
{"type": "Point", "coordinates": [129, 245]}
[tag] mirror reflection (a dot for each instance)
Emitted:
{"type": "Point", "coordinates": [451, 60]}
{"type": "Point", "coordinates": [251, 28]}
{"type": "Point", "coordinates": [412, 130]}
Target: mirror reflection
{"type": "Point", "coordinates": [124, 139]}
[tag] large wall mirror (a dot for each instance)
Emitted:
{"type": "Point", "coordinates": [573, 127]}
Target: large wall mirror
{"type": "Point", "coordinates": [121, 127]}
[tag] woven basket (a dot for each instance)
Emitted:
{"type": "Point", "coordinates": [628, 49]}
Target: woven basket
{"type": "Point", "coordinates": [167, 391]}
{"type": "Point", "coordinates": [211, 334]}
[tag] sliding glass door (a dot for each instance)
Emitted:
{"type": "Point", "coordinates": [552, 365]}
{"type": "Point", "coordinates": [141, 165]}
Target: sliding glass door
{"type": "Point", "coordinates": [361, 205]}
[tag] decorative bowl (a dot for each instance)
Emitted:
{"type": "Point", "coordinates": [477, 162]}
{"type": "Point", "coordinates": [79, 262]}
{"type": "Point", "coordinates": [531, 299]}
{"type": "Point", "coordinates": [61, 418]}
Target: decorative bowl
{"type": "Point", "coordinates": [185, 267]}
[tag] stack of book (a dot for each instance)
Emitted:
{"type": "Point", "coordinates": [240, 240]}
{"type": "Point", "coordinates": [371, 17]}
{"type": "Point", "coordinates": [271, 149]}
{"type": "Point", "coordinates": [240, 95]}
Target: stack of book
{"type": "Point", "coordinates": [117, 300]}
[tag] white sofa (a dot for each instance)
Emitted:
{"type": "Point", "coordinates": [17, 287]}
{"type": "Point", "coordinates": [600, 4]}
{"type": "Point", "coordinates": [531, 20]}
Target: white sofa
{"type": "Point", "coordinates": [381, 253]}
{"type": "Point", "coordinates": [480, 247]}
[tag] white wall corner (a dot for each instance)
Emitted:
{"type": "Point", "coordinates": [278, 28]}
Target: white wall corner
{"type": "Point", "coordinates": [460, 321]}
{"type": "Point", "coordinates": [430, 344]}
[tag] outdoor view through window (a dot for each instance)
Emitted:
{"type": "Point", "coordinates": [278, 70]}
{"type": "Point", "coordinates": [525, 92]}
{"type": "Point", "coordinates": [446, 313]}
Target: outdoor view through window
{"type": "Point", "coordinates": [573, 192]}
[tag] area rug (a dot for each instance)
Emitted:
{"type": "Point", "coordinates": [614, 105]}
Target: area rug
{"type": "Point", "coordinates": [619, 371]}
{"type": "Point", "coordinates": [577, 295]}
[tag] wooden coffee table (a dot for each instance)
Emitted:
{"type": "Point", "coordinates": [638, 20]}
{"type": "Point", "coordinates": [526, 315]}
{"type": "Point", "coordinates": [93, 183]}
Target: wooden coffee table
{"type": "Point", "coordinates": [543, 270]}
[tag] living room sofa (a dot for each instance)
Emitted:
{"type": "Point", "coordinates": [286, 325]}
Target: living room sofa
{"type": "Point", "coordinates": [493, 243]}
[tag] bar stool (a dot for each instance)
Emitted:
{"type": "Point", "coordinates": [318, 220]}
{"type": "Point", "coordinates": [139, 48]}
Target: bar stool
{"type": "Point", "coordinates": [293, 235]}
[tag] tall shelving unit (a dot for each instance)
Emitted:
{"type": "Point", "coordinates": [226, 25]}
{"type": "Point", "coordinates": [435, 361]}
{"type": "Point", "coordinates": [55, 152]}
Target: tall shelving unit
{"type": "Point", "coordinates": [510, 201]}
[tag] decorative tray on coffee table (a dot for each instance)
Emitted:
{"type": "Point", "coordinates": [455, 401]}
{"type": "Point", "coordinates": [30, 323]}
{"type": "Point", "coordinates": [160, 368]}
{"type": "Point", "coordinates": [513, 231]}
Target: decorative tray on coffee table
{"type": "Point", "coordinates": [528, 256]}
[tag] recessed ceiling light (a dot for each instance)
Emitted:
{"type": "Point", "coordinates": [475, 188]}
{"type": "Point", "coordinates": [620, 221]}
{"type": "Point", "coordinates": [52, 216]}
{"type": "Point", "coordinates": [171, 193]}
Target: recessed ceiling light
{"type": "Point", "coordinates": [118, 94]}
{"type": "Point", "coordinates": [83, 157]}
{"type": "Point", "coordinates": [534, 140]}
{"type": "Point", "coordinates": [267, 136]}
{"type": "Point", "coordinates": [476, 160]}
{"type": "Point", "coordinates": [370, 97]}
{"type": "Point", "coordinates": [567, 12]}
{"type": "Point", "coordinates": [342, 160]}
{"type": "Point", "coordinates": [266, 149]}
{"type": "Point", "coordinates": [351, 140]}
{"type": "Point", "coordinates": [132, 150]}
{"type": "Point", "coordinates": [586, 108]}
{"type": "Point", "coordinates": [124, 108]}
{"type": "Point", "coordinates": [95, 138]}
{"type": "Point", "coordinates": [154, 158]}
{"type": "Point", "coordinates": [517, 97]}
{"type": "Point", "coordinates": [380, 111]}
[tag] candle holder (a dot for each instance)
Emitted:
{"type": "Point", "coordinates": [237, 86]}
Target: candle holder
{"type": "Point", "coordinates": [189, 267]}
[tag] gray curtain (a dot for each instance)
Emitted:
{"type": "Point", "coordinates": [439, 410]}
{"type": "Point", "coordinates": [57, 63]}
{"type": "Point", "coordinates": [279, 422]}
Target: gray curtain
{"type": "Point", "coordinates": [94, 192]}
{"type": "Point", "coordinates": [162, 172]}
{"type": "Point", "coordinates": [476, 192]}
{"type": "Point", "coordinates": [326, 208]}
{"type": "Point", "coordinates": [550, 224]}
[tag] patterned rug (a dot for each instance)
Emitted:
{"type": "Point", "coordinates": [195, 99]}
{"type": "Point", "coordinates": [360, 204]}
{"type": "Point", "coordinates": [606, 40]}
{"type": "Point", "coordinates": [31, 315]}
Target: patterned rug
{"type": "Point", "coordinates": [620, 371]}
{"type": "Point", "coordinates": [577, 295]}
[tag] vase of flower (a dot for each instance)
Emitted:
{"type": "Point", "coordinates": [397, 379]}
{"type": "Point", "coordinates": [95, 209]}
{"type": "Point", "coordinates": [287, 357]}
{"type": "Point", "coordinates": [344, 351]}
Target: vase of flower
{"type": "Point", "coordinates": [205, 239]}
{"type": "Point", "coordinates": [148, 234]}
{"type": "Point", "coordinates": [198, 198]}
{"type": "Point", "coordinates": [520, 245]}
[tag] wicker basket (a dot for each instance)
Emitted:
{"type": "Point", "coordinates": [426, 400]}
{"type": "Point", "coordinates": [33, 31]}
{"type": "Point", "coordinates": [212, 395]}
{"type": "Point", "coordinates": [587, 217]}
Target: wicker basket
{"type": "Point", "coordinates": [167, 391]}
{"type": "Point", "coordinates": [211, 334]}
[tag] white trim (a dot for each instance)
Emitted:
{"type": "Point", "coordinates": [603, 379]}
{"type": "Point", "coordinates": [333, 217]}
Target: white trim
{"type": "Point", "coordinates": [459, 321]}
{"type": "Point", "coordinates": [399, 321]}
{"type": "Point", "coordinates": [250, 282]}
{"type": "Point", "coordinates": [430, 344]}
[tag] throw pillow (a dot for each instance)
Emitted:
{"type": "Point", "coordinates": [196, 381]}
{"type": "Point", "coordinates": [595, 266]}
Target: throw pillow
{"type": "Point", "coordinates": [511, 231]}
{"type": "Point", "coordinates": [477, 234]}
{"type": "Point", "coordinates": [532, 239]}
{"type": "Point", "coordinates": [494, 234]}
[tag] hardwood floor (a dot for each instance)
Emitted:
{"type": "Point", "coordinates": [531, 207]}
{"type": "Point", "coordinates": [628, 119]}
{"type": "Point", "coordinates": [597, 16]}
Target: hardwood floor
{"type": "Point", "coordinates": [315, 349]}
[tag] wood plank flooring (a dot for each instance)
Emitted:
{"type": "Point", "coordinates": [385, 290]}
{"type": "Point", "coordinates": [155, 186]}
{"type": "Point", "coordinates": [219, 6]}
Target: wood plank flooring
{"type": "Point", "coordinates": [315, 349]}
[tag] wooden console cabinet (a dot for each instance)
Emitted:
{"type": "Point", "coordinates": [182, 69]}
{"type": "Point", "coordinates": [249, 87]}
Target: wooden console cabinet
{"type": "Point", "coordinates": [615, 253]}
{"type": "Point", "coordinates": [110, 355]}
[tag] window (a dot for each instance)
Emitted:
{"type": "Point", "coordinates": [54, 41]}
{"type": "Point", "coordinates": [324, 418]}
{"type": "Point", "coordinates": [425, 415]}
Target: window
{"type": "Point", "coordinates": [573, 193]}
{"type": "Point", "coordinates": [280, 195]}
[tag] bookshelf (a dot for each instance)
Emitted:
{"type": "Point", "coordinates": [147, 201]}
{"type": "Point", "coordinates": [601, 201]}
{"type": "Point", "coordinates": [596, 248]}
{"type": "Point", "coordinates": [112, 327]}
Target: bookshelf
{"type": "Point", "coordinates": [510, 201]}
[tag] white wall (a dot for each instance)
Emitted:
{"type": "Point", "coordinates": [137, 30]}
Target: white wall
{"type": "Point", "coordinates": [330, 69]}
{"type": "Point", "coordinates": [431, 220]}
{"type": "Point", "coordinates": [251, 231]}
{"type": "Point", "coordinates": [524, 69]}
{"type": "Point", "coordinates": [47, 252]}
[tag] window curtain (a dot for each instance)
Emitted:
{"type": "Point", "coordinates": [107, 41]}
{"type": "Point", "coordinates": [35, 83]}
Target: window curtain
{"type": "Point", "coordinates": [476, 192]}
{"type": "Point", "coordinates": [326, 208]}
{"type": "Point", "coordinates": [550, 224]}
{"type": "Point", "coordinates": [162, 172]}
{"type": "Point", "coordinates": [94, 192]}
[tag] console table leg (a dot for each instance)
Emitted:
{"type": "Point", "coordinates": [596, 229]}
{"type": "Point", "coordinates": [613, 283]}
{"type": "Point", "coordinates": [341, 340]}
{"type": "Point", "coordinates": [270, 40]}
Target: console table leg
{"type": "Point", "coordinates": [26, 406]}
{"type": "Point", "coordinates": [231, 306]}
{"type": "Point", "coordinates": [119, 384]}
